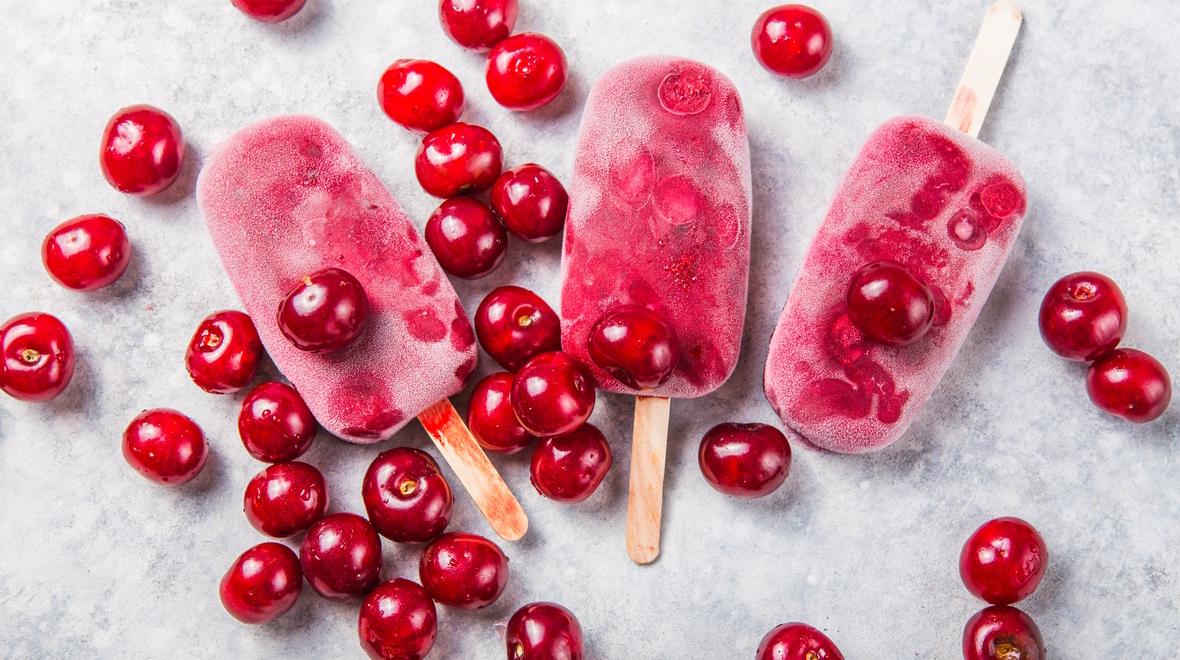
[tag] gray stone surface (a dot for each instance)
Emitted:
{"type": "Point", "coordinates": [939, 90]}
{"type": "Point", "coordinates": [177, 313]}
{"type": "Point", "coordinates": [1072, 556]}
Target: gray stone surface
{"type": "Point", "coordinates": [96, 562]}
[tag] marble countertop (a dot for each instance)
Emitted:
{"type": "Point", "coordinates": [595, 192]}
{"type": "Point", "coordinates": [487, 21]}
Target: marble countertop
{"type": "Point", "coordinates": [97, 562]}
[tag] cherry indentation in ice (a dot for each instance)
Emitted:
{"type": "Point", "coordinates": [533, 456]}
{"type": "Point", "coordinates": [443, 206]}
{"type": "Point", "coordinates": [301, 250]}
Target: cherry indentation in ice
{"type": "Point", "coordinates": [686, 91]}
{"type": "Point", "coordinates": [832, 397]}
{"type": "Point", "coordinates": [630, 180]}
{"type": "Point", "coordinates": [967, 230]}
{"type": "Point", "coordinates": [927, 203]}
{"type": "Point", "coordinates": [678, 200]}
{"type": "Point", "coordinates": [1001, 200]}
{"type": "Point", "coordinates": [703, 363]}
{"type": "Point", "coordinates": [942, 306]}
{"type": "Point", "coordinates": [462, 334]}
{"type": "Point", "coordinates": [311, 150]}
{"type": "Point", "coordinates": [727, 228]}
{"type": "Point", "coordinates": [424, 325]}
{"type": "Point", "coordinates": [956, 166]}
{"type": "Point", "coordinates": [846, 343]}
{"type": "Point", "coordinates": [365, 397]}
{"type": "Point", "coordinates": [464, 371]}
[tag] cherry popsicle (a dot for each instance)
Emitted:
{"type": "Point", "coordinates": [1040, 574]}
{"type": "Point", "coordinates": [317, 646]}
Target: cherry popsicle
{"type": "Point", "coordinates": [659, 218]}
{"type": "Point", "coordinates": [923, 221]}
{"type": "Point", "coordinates": [287, 197]}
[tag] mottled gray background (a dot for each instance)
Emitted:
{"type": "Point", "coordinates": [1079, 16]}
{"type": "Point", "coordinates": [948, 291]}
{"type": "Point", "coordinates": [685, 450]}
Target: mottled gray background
{"type": "Point", "coordinates": [95, 561]}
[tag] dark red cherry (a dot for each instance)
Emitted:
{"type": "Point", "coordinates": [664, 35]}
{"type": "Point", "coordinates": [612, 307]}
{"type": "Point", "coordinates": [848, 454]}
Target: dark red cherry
{"type": "Point", "coordinates": [36, 357]}
{"type": "Point", "coordinates": [636, 346]}
{"type": "Point", "coordinates": [457, 159]}
{"type": "Point", "coordinates": [491, 419]}
{"type": "Point", "coordinates": [285, 499]}
{"type": "Point", "coordinates": [889, 304]}
{"type": "Point", "coordinates": [142, 149]}
{"type": "Point", "coordinates": [224, 352]}
{"type": "Point", "coordinates": [464, 571]}
{"type": "Point", "coordinates": [478, 24]}
{"type": "Point", "coordinates": [797, 641]}
{"type": "Point", "coordinates": [406, 495]}
{"type": "Point", "coordinates": [397, 621]}
{"type": "Point", "coordinates": [466, 238]}
{"type": "Point", "coordinates": [570, 467]}
{"type": "Point", "coordinates": [1000, 632]}
{"type": "Point", "coordinates": [544, 631]}
{"type": "Point", "coordinates": [515, 325]}
{"type": "Point", "coordinates": [275, 424]}
{"type": "Point", "coordinates": [269, 11]}
{"type": "Point", "coordinates": [531, 202]}
{"type": "Point", "coordinates": [420, 95]}
{"type": "Point", "coordinates": [262, 584]}
{"type": "Point", "coordinates": [1083, 316]}
{"type": "Point", "coordinates": [1130, 384]}
{"type": "Point", "coordinates": [526, 71]}
{"type": "Point", "coordinates": [165, 446]}
{"type": "Point", "coordinates": [87, 252]}
{"type": "Point", "coordinates": [552, 394]}
{"type": "Point", "coordinates": [745, 460]}
{"type": "Point", "coordinates": [1003, 561]}
{"type": "Point", "coordinates": [325, 312]}
{"type": "Point", "coordinates": [792, 40]}
{"type": "Point", "coordinates": [341, 556]}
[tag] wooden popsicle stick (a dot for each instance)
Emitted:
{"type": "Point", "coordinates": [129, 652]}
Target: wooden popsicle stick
{"type": "Point", "coordinates": [986, 65]}
{"type": "Point", "coordinates": [475, 471]}
{"type": "Point", "coordinates": [645, 496]}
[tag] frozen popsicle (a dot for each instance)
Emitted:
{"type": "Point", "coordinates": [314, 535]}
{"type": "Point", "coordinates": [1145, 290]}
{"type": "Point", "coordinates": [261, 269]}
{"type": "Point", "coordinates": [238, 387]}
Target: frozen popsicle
{"type": "Point", "coordinates": [922, 197]}
{"type": "Point", "coordinates": [287, 197]}
{"type": "Point", "coordinates": [659, 216]}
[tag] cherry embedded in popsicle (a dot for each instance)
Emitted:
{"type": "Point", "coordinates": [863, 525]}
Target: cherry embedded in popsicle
{"type": "Point", "coordinates": [86, 253]}
{"type": "Point", "coordinates": [285, 499]}
{"type": "Point", "coordinates": [324, 312]}
{"type": "Point", "coordinates": [531, 202]}
{"type": "Point", "coordinates": [636, 346]}
{"type": "Point", "coordinates": [491, 418]}
{"type": "Point", "coordinates": [744, 460]}
{"type": "Point", "coordinates": [544, 631]}
{"type": "Point", "coordinates": [515, 325]}
{"type": "Point", "coordinates": [1083, 316]}
{"type": "Point", "coordinates": [341, 556]}
{"type": "Point", "coordinates": [889, 304]}
{"type": "Point", "coordinates": [397, 621]}
{"type": "Point", "coordinates": [797, 641]}
{"type": "Point", "coordinates": [552, 395]}
{"type": "Point", "coordinates": [463, 570]}
{"type": "Point", "coordinates": [142, 149]}
{"type": "Point", "coordinates": [420, 95]}
{"type": "Point", "coordinates": [275, 424]}
{"type": "Point", "coordinates": [570, 467]}
{"type": "Point", "coordinates": [478, 24]}
{"type": "Point", "coordinates": [269, 11]}
{"type": "Point", "coordinates": [262, 584]}
{"type": "Point", "coordinates": [165, 446]}
{"type": "Point", "coordinates": [407, 497]}
{"type": "Point", "coordinates": [526, 71]}
{"type": "Point", "coordinates": [792, 40]}
{"type": "Point", "coordinates": [1131, 384]}
{"type": "Point", "coordinates": [466, 238]}
{"type": "Point", "coordinates": [224, 352]}
{"type": "Point", "coordinates": [36, 357]}
{"type": "Point", "coordinates": [1000, 632]}
{"type": "Point", "coordinates": [457, 159]}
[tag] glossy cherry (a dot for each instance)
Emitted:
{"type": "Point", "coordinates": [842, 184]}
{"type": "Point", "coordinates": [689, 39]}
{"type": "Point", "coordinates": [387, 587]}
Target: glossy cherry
{"type": "Point", "coordinates": [526, 71]}
{"type": "Point", "coordinates": [491, 419]}
{"type": "Point", "coordinates": [552, 394]}
{"type": "Point", "coordinates": [262, 584]}
{"type": "Point", "coordinates": [889, 304]}
{"type": "Point", "coordinates": [420, 95]}
{"type": "Point", "coordinates": [797, 641]}
{"type": "Point", "coordinates": [269, 11]}
{"type": "Point", "coordinates": [514, 325]}
{"type": "Point", "coordinates": [1083, 316]}
{"type": "Point", "coordinates": [406, 495]}
{"type": "Point", "coordinates": [285, 499]}
{"type": "Point", "coordinates": [397, 621]}
{"type": "Point", "coordinates": [325, 312]}
{"type": "Point", "coordinates": [275, 424]}
{"type": "Point", "coordinates": [458, 158]}
{"type": "Point", "coordinates": [466, 238]}
{"type": "Point", "coordinates": [745, 460]}
{"type": "Point", "coordinates": [1003, 561]}
{"type": "Point", "coordinates": [1000, 632]}
{"type": "Point", "coordinates": [570, 467]}
{"type": "Point", "coordinates": [224, 352]}
{"type": "Point", "coordinates": [464, 570]}
{"type": "Point", "coordinates": [635, 345]}
{"type": "Point", "coordinates": [87, 252]}
{"type": "Point", "coordinates": [165, 446]}
{"type": "Point", "coordinates": [36, 357]}
{"type": "Point", "coordinates": [1130, 384]}
{"type": "Point", "coordinates": [142, 149]}
{"type": "Point", "coordinates": [544, 631]}
{"type": "Point", "coordinates": [478, 24]}
{"type": "Point", "coordinates": [341, 556]}
{"type": "Point", "coordinates": [531, 202]}
{"type": "Point", "coordinates": [792, 40]}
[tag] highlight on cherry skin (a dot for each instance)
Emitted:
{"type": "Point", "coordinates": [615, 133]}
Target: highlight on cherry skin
{"type": "Point", "coordinates": [262, 584]}
{"type": "Point", "coordinates": [514, 325]}
{"type": "Point", "coordinates": [224, 352]}
{"type": "Point", "coordinates": [87, 253]}
{"type": "Point", "coordinates": [341, 556]}
{"type": "Point", "coordinates": [36, 357]}
{"type": "Point", "coordinates": [142, 150]}
{"type": "Point", "coordinates": [465, 571]}
{"type": "Point", "coordinates": [406, 495]}
{"type": "Point", "coordinates": [888, 303]}
{"type": "Point", "coordinates": [325, 312]}
{"type": "Point", "coordinates": [744, 460]}
{"type": "Point", "coordinates": [571, 466]}
{"type": "Point", "coordinates": [457, 159]}
{"type": "Point", "coordinates": [420, 95]}
{"type": "Point", "coordinates": [1130, 384]}
{"type": "Point", "coordinates": [526, 71]}
{"type": "Point", "coordinates": [468, 240]}
{"type": "Point", "coordinates": [285, 499]}
{"type": "Point", "coordinates": [1001, 632]}
{"type": "Point", "coordinates": [1003, 561]}
{"type": "Point", "coordinates": [792, 40]}
{"type": "Point", "coordinates": [635, 345]}
{"type": "Point", "coordinates": [165, 446]}
{"type": "Point", "coordinates": [275, 424]}
{"type": "Point", "coordinates": [397, 621]}
{"type": "Point", "coordinates": [544, 631]}
{"type": "Point", "coordinates": [478, 24]}
{"type": "Point", "coordinates": [491, 419]}
{"type": "Point", "coordinates": [1083, 316]}
{"type": "Point", "coordinates": [269, 11]}
{"type": "Point", "coordinates": [531, 202]}
{"type": "Point", "coordinates": [552, 394]}
{"type": "Point", "coordinates": [797, 641]}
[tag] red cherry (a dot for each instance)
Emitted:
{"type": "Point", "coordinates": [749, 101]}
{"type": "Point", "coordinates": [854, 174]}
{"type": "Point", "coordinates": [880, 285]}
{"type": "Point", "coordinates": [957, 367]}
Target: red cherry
{"type": "Point", "coordinates": [142, 149]}
{"type": "Point", "coordinates": [792, 40]}
{"type": "Point", "coordinates": [420, 95]}
{"type": "Point", "coordinates": [397, 621]}
{"type": "Point", "coordinates": [325, 312]}
{"type": "Point", "coordinates": [262, 584]}
{"type": "Point", "coordinates": [165, 446]}
{"type": "Point", "coordinates": [797, 641]}
{"type": "Point", "coordinates": [466, 238]}
{"type": "Point", "coordinates": [531, 201]}
{"type": "Point", "coordinates": [552, 394]}
{"type": "Point", "coordinates": [889, 304]}
{"type": "Point", "coordinates": [745, 460]}
{"type": "Point", "coordinates": [37, 354]}
{"type": "Point", "coordinates": [635, 345]}
{"type": "Point", "coordinates": [269, 11]}
{"type": "Point", "coordinates": [1003, 561]}
{"type": "Point", "coordinates": [1083, 316]}
{"type": "Point", "coordinates": [341, 556]}
{"type": "Point", "coordinates": [478, 24]}
{"type": "Point", "coordinates": [275, 424]}
{"type": "Point", "coordinates": [570, 467]}
{"type": "Point", "coordinates": [515, 325]}
{"type": "Point", "coordinates": [1000, 632]}
{"type": "Point", "coordinates": [285, 499]}
{"type": "Point", "coordinates": [1130, 384]}
{"type": "Point", "coordinates": [87, 252]}
{"type": "Point", "coordinates": [406, 495]}
{"type": "Point", "coordinates": [224, 353]}
{"type": "Point", "coordinates": [464, 570]}
{"type": "Point", "coordinates": [491, 419]}
{"type": "Point", "coordinates": [458, 158]}
{"type": "Point", "coordinates": [544, 631]}
{"type": "Point", "coordinates": [526, 71]}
